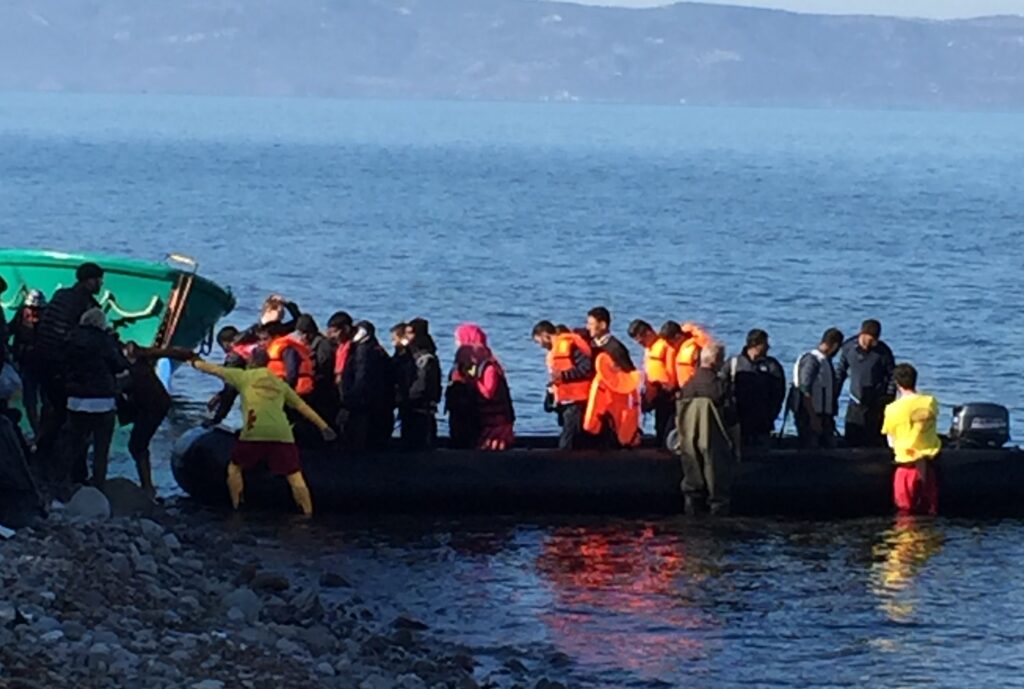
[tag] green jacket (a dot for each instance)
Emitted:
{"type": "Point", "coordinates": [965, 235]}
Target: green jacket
{"type": "Point", "coordinates": [703, 433]}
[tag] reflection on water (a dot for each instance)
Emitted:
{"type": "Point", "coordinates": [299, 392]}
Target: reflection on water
{"type": "Point", "coordinates": [675, 602]}
{"type": "Point", "coordinates": [900, 556]}
{"type": "Point", "coordinates": [619, 598]}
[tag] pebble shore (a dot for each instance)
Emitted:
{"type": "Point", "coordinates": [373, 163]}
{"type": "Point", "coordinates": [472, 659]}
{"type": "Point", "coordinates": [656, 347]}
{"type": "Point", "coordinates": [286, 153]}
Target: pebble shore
{"type": "Point", "coordinates": [171, 602]}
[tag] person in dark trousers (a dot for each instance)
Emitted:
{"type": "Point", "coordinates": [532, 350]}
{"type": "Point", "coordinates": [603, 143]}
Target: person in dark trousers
{"type": "Point", "coordinates": [599, 322]}
{"type": "Point", "coordinates": [708, 434]}
{"type": "Point", "coordinates": [759, 385]}
{"type": "Point", "coordinates": [146, 404]}
{"type": "Point", "coordinates": [659, 377]}
{"type": "Point", "coordinates": [93, 364]}
{"type": "Point", "coordinates": [324, 399]}
{"type": "Point", "coordinates": [868, 364]}
{"type": "Point", "coordinates": [23, 352]}
{"type": "Point", "coordinates": [571, 370]}
{"type": "Point", "coordinates": [813, 393]}
{"type": "Point", "coordinates": [58, 320]}
{"type": "Point", "coordinates": [234, 357]}
{"type": "Point", "coordinates": [367, 412]}
{"type": "Point", "coordinates": [418, 374]}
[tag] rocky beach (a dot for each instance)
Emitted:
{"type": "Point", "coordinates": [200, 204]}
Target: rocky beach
{"type": "Point", "coordinates": [184, 598]}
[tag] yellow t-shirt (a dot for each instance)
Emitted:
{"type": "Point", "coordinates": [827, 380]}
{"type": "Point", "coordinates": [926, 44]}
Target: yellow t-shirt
{"type": "Point", "coordinates": [264, 397]}
{"type": "Point", "coordinates": [910, 422]}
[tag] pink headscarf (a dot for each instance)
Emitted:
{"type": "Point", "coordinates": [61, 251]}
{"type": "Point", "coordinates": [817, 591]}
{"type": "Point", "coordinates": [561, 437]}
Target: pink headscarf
{"type": "Point", "coordinates": [471, 345]}
{"type": "Point", "coordinates": [470, 334]}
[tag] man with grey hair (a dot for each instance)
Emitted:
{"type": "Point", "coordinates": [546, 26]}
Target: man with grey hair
{"type": "Point", "coordinates": [707, 425]}
{"type": "Point", "coordinates": [93, 362]}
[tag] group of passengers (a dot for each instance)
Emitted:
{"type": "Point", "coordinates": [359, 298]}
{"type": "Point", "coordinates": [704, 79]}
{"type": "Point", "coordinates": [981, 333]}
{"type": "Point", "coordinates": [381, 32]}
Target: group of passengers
{"type": "Point", "coordinates": [78, 381]}
{"type": "Point", "coordinates": [300, 384]}
{"type": "Point", "coordinates": [348, 378]}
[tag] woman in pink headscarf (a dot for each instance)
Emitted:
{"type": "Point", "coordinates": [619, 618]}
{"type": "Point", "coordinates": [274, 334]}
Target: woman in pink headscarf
{"type": "Point", "coordinates": [478, 400]}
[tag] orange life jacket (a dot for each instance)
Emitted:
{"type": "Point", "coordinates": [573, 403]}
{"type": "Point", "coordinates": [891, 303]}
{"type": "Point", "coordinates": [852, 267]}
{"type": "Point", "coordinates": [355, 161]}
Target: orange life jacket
{"type": "Point", "coordinates": [560, 359]}
{"type": "Point", "coordinates": [660, 364]}
{"type": "Point", "coordinates": [614, 395]}
{"type": "Point", "coordinates": [245, 350]}
{"type": "Point", "coordinates": [275, 352]}
{"type": "Point", "coordinates": [688, 356]}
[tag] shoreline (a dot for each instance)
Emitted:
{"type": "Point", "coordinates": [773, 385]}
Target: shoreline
{"type": "Point", "coordinates": [169, 601]}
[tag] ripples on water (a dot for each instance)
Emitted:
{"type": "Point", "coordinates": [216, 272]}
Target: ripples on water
{"type": "Point", "coordinates": [788, 220]}
{"type": "Point", "coordinates": [881, 602]}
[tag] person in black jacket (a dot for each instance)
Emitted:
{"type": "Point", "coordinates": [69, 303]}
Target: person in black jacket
{"type": "Point", "coordinates": [147, 403]}
{"type": "Point", "coordinates": [221, 403]}
{"type": "Point", "coordinates": [868, 363]}
{"type": "Point", "coordinates": [759, 384]}
{"type": "Point", "coordinates": [324, 398]}
{"type": "Point", "coordinates": [23, 352]}
{"type": "Point", "coordinates": [60, 317]}
{"type": "Point", "coordinates": [419, 393]}
{"type": "Point", "coordinates": [366, 419]}
{"type": "Point", "coordinates": [93, 363]}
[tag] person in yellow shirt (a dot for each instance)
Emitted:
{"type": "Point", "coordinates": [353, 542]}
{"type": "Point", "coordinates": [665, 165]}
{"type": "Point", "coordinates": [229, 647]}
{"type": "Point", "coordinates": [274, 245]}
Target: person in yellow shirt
{"type": "Point", "coordinates": [266, 436]}
{"type": "Point", "coordinates": [910, 423]}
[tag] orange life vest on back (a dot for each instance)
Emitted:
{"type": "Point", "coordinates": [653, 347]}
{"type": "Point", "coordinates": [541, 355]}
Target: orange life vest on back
{"type": "Point", "coordinates": [560, 359]}
{"type": "Point", "coordinates": [688, 357]}
{"type": "Point", "coordinates": [275, 352]}
{"type": "Point", "coordinates": [614, 395]}
{"type": "Point", "coordinates": [660, 364]}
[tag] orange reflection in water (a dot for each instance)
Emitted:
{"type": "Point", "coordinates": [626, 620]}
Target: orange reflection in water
{"type": "Point", "coordinates": [898, 559]}
{"type": "Point", "coordinates": [620, 599]}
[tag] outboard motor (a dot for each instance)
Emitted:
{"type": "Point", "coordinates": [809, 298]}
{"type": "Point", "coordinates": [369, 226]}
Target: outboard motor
{"type": "Point", "coordinates": [980, 424]}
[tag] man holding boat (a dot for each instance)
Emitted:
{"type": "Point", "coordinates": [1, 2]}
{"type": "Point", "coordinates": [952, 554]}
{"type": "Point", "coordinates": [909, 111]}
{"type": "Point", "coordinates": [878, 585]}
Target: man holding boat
{"type": "Point", "coordinates": [266, 437]}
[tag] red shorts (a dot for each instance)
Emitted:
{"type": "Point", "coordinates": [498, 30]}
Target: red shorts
{"type": "Point", "coordinates": [914, 496]}
{"type": "Point", "coordinates": [281, 458]}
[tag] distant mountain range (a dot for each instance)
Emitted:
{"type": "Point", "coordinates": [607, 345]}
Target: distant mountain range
{"type": "Point", "coordinates": [527, 50]}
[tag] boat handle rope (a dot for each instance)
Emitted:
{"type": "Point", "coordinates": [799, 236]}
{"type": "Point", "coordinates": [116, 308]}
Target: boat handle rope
{"type": "Point", "coordinates": [16, 300]}
{"type": "Point", "coordinates": [109, 300]}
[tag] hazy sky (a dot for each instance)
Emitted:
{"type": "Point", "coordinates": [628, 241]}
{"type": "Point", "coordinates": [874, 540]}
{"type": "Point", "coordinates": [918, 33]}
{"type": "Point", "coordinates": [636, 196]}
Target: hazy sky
{"type": "Point", "coordinates": [913, 8]}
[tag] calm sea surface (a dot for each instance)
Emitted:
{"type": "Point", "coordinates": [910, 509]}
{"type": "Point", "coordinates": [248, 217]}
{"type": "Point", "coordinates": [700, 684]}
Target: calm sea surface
{"type": "Point", "coordinates": [793, 221]}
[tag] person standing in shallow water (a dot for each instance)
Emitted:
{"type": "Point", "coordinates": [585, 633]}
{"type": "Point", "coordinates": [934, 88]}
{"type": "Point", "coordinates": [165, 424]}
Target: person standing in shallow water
{"type": "Point", "coordinates": [708, 435]}
{"type": "Point", "coordinates": [478, 399]}
{"type": "Point", "coordinates": [266, 437]}
{"type": "Point", "coordinates": [910, 423]}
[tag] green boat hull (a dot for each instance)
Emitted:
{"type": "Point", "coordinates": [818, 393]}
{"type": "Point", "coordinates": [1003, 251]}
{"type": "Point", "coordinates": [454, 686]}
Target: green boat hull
{"type": "Point", "coordinates": [152, 304]}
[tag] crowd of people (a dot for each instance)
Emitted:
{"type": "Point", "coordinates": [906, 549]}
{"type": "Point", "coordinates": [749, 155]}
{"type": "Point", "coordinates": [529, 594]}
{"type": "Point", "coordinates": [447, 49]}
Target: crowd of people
{"type": "Point", "coordinates": [300, 385]}
{"type": "Point", "coordinates": [78, 381]}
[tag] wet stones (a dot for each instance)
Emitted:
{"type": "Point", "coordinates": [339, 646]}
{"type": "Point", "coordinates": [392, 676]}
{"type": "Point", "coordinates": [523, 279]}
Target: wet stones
{"type": "Point", "coordinates": [269, 581]}
{"type": "Point", "coordinates": [88, 504]}
{"type": "Point", "coordinates": [160, 603]}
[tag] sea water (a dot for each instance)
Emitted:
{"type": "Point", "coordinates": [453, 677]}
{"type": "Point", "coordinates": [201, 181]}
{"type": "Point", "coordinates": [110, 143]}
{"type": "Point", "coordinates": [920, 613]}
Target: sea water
{"type": "Point", "coordinates": [788, 220]}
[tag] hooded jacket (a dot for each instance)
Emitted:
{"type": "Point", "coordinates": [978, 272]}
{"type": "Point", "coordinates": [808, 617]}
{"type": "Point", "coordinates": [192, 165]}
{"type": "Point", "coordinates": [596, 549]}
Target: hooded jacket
{"type": "Point", "coordinates": [92, 363]}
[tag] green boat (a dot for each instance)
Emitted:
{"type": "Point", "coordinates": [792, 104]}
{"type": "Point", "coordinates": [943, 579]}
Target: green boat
{"type": "Point", "coordinates": [154, 304]}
